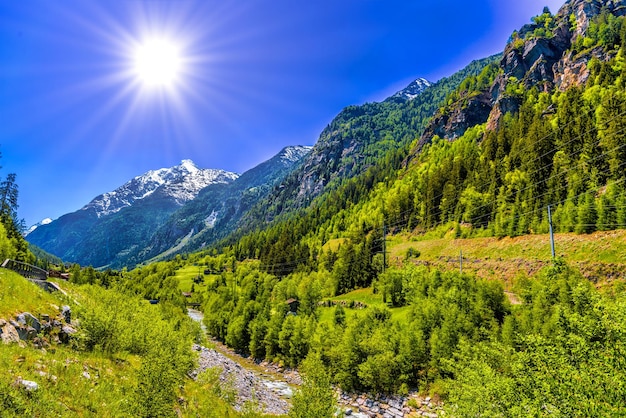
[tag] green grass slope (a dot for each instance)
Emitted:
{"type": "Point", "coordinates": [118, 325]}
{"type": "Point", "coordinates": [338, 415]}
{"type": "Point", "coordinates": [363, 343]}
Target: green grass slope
{"type": "Point", "coordinates": [128, 358]}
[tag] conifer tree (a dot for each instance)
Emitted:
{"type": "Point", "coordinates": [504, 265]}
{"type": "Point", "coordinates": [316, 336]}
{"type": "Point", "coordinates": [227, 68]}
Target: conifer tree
{"type": "Point", "coordinates": [587, 214]}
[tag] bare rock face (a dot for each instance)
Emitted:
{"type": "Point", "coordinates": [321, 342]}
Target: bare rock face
{"type": "Point", "coordinates": [530, 61]}
{"type": "Point", "coordinates": [573, 70]}
{"type": "Point", "coordinates": [504, 105]}
{"type": "Point", "coordinates": [464, 114]}
{"type": "Point", "coordinates": [585, 10]}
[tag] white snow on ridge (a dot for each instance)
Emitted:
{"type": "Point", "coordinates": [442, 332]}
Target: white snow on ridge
{"type": "Point", "coordinates": [294, 153]}
{"type": "Point", "coordinates": [414, 89]}
{"type": "Point", "coordinates": [37, 225]}
{"type": "Point", "coordinates": [182, 182]}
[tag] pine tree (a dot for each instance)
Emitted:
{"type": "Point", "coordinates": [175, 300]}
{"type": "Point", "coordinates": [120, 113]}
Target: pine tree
{"type": "Point", "coordinates": [8, 216]}
{"type": "Point", "coordinates": [587, 214]}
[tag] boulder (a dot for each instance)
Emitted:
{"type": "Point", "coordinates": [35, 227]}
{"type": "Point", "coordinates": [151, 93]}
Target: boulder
{"type": "Point", "coordinates": [66, 333]}
{"type": "Point", "coordinates": [8, 333]}
{"type": "Point", "coordinates": [28, 385]}
{"type": "Point", "coordinates": [66, 311]}
{"type": "Point", "coordinates": [27, 319]}
{"type": "Point", "coordinates": [26, 333]}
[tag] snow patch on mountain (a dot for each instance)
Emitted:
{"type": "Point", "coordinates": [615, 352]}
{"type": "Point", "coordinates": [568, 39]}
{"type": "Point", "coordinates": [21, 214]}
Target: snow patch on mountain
{"type": "Point", "coordinates": [37, 225]}
{"type": "Point", "coordinates": [181, 183]}
{"type": "Point", "coordinates": [414, 89]}
{"type": "Point", "coordinates": [290, 155]}
{"type": "Point", "coordinates": [210, 220]}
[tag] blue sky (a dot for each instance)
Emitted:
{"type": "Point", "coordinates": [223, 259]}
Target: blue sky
{"type": "Point", "coordinates": [257, 75]}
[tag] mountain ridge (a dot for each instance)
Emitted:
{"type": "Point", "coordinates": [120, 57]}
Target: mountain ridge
{"type": "Point", "coordinates": [120, 224]}
{"type": "Point", "coordinates": [539, 55]}
{"type": "Point", "coordinates": [182, 182]}
{"type": "Point", "coordinates": [217, 209]}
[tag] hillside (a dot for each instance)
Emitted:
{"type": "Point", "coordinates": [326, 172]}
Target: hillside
{"type": "Point", "coordinates": [408, 254]}
{"type": "Point", "coordinates": [529, 140]}
{"type": "Point", "coordinates": [599, 256]}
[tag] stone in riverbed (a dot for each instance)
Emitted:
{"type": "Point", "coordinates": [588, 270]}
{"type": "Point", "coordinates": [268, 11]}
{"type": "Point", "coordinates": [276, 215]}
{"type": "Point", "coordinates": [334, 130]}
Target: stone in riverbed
{"type": "Point", "coordinates": [395, 412]}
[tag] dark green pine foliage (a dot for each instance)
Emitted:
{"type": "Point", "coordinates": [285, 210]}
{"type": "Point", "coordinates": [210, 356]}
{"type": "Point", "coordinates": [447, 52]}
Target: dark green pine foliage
{"type": "Point", "coordinates": [9, 219]}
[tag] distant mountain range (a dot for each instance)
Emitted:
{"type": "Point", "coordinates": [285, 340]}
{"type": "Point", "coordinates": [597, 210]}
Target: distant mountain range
{"type": "Point", "coordinates": [217, 209]}
{"type": "Point", "coordinates": [119, 225]}
{"type": "Point", "coordinates": [185, 208]}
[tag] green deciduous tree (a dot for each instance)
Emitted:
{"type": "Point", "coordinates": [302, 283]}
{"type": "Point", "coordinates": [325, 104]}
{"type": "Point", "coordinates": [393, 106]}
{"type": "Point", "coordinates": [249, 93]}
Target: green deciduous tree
{"type": "Point", "coordinates": [315, 398]}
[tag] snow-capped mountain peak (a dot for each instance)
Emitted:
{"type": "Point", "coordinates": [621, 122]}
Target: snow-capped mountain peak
{"type": "Point", "coordinates": [189, 166]}
{"type": "Point", "coordinates": [37, 225]}
{"type": "Point", "coordinates": [294, 153]}
{"type": "Point", "coordinates": [182, 183]}
{"type": "Point", "coordinates": [414, 89]}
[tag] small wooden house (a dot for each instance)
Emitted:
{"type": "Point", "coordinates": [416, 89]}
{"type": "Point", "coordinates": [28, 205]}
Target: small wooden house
{"type": "Point", "coordinates": [293, 304]}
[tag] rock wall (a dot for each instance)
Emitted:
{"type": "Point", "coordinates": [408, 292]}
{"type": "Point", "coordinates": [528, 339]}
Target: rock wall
{"type": "Point", "coordinates": [545, 63]}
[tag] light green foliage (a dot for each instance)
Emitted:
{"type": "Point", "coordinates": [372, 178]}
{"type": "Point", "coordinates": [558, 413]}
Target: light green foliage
{"type": "Point", "coordinates": [568, 343]}
{"type": "Point", "coordinates": [545, 24]}
{"type": "Point", "coordinates": [315, 398]}
{"type": "Point", "coordinates": [163, 369]}
{"type": "Point", "coordinates": [7, 247]}
{"type": "Point", "coordinates": [19, 295]}
{"type": "Point", "coordinates": [473, 85]}
{"type": "Point", "coordinates": [114, 323]}
{"type": "Point", "coordinates": [155, 281]}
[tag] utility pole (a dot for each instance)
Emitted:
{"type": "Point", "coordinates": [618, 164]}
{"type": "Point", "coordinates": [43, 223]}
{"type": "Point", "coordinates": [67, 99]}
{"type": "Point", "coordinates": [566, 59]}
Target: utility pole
{"type": "Point", "coordinates": [551, 233]}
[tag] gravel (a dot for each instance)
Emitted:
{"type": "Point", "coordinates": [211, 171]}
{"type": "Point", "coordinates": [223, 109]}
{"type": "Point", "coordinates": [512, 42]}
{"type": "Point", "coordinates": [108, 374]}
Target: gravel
{"type": "Point", "coordinates": [248, 386]}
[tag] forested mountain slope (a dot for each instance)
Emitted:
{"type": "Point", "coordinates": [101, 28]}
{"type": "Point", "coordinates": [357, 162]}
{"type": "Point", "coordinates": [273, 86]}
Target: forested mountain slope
{"type": "Point", "coordinates": [357, 139]}
{"type": "Point", "coordinates": [546, 130]}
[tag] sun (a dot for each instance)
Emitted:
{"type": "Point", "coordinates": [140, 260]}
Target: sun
{"type": "Point", "coordinates": [157, 63]}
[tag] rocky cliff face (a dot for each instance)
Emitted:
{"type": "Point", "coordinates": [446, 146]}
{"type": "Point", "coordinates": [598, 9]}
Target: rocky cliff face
{"type": "Point", "coordinates": [539, 55]}
{"type": "Point", "coordinates": [452, 123]}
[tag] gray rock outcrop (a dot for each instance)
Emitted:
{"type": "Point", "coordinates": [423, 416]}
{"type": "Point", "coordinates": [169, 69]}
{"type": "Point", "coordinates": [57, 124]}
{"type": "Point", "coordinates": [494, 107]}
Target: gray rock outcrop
{"type": "Point", "coordinates": [532, 59]}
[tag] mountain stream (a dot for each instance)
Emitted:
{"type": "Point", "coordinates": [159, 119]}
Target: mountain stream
{"type": "Point", "coordinates": [251, 383]}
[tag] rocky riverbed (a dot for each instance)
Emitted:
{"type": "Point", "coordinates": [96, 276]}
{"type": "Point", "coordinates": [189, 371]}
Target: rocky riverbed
{"type": "Point", "coordinates": [269, 387]}
{"type": "Point", "coordinates": [269, 396]}
{"type": "Point", "coordinates": [388, 406]}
